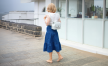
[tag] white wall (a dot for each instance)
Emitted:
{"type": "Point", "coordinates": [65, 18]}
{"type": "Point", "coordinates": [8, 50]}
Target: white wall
{"type": "Point", "coordinates": [41, 5]}
{"type": "Point", "coordinates": [38, 7]}
{"type": "Point", "coordinates": [74, 30]}
{"type": "Point", "coordinates": [106, 35]}
{"type": "Point", "coordinates": [42, 22]}
{"type": "Point", "coordinates": [93, 32]}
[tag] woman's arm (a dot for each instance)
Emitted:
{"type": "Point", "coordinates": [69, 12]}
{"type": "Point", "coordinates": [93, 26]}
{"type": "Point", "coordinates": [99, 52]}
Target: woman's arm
{"type": "Point", "coordinates": [48, 20]}
{"type": "Point", "coordinates": [59, 20]}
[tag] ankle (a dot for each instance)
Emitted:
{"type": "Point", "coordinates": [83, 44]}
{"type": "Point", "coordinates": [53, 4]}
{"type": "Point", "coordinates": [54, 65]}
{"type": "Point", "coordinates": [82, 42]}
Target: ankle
{"type": "Point", "coordinates": [50, 59]}
{"type": "Point", "coordinates": [60, 57]}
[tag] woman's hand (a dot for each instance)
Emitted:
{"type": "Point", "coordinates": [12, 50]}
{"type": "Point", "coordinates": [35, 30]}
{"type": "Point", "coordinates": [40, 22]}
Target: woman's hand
{"type": "Point", "coordinates": [45, 17]}
{"type": "Point", "coordinates": [59, 20]}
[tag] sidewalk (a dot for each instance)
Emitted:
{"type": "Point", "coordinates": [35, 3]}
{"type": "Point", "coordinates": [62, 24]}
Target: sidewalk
{"type": "Point", "coordinates": [18, 49]}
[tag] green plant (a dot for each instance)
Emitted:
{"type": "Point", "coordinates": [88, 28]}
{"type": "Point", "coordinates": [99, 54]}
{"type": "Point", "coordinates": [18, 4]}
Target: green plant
{"type": "Point", "coordinates": [59, 9]}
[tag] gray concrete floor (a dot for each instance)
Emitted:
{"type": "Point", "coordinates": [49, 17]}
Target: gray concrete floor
{"type": "Point", "coordinates": [18, 49]}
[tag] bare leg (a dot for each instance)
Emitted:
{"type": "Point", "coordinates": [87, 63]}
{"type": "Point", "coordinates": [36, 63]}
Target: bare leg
{"type": "Point", "coordinates": [59, 56]}
{"type": "Point", "coordinates": [50, 58]}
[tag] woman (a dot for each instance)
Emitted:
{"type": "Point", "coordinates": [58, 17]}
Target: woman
{"type": "Point", "coordinates": [51, 38]}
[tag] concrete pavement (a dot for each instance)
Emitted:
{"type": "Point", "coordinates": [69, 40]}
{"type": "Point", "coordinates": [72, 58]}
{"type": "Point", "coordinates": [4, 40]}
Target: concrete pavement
{"type": "Point", "coordinates": [18, 49]}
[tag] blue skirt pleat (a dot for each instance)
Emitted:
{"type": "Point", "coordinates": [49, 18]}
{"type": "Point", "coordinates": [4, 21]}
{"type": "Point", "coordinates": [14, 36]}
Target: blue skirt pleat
{"type": "Point", "coordinates": [51, 41]}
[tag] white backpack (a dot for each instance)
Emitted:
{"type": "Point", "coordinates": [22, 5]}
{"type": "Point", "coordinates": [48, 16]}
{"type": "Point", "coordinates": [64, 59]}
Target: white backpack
{"type": "Point", "coordinates": [56, 25]}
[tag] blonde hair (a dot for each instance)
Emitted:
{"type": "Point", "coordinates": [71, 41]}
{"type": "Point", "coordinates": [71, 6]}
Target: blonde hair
{"type": "Point", "coordinates": [51, 8]}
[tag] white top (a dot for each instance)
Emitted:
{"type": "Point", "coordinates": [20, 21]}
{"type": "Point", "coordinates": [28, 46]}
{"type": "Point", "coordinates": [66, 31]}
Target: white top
{"type": "Point", "coordinates": [54, 17]}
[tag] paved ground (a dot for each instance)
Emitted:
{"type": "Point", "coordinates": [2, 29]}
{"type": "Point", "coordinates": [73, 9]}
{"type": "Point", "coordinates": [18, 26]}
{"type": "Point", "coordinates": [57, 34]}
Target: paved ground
{"type": "Point", "coordinates": [18, 49]}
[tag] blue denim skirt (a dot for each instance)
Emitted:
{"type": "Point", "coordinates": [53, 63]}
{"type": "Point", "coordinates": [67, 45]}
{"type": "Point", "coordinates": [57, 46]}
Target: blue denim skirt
{"type": "Point", "coordinates": [51, 40]}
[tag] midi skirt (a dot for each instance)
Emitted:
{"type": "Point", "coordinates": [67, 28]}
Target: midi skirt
{"type": "Point", "coordinates": [51, 41]}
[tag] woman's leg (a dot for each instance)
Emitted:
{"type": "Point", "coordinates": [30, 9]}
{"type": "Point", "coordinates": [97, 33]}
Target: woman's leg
{"type": "Point", "coordinates": [50, 55]}
{"type": "Point", "coordinates": [59, 56]}
{"type": "Point", "coordinates": [50, 58]}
